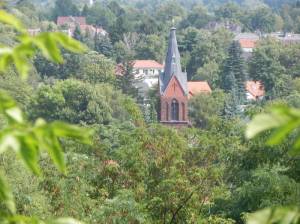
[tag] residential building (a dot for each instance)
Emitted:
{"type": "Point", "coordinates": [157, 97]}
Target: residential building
{"type": "Point", "coordinates": [69, 24]}
{"type": "Point", "coordinates": [228, 25]}
{"type": "Point", "coordinates": [146, 73]}
{"type": "Point", "coordinates": [198, 87]}
{"type": "Point", "coordinates": [254, 90]}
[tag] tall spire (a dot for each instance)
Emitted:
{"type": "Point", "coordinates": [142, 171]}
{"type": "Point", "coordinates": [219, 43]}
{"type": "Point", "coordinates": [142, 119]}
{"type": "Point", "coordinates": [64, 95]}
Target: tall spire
{"type": "Point", "coordinates": [172, 65]}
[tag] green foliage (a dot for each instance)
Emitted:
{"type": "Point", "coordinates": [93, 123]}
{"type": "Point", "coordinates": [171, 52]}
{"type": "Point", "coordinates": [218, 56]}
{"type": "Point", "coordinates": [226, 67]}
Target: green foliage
{"type": "Point", "coordinates": [96, 68]}
{"type": "Point", "coordinates": [78, 102]}
{"type": "Point", "coordinates": [283, 119]}
{"type": "Point", "coordinates": [64, 8]}
{"type": "Point", "coordinates": [150, 47]}
{"type": "Point", "coordinates": [202, 115]}
{"type": "Point", "coordinates": [233, 74]}
{"type": "Point", "coordinates": [122, 209]}
{"type": "Point", "coordinates": [275, 215]}
{"type": "Point", "coordinates": [17, 134]}
{"type": "Point", "coordinates": [47, 43]}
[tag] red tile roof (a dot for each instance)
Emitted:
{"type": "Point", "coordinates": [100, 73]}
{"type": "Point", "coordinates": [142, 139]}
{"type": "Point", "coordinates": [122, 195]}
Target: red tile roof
{"type": "Point", "coordinates": [196, 87]}
{"type": "Point", "coordinates": [62, 20]}
{"type": "Point", "coordinates": [255, 88]}
{"type": "Point", "coordinates": [247, 43]}
{"type": "Point", "coordinates": [147, 64]}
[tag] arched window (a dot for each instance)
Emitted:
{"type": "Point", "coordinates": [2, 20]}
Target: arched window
{"type": "Point", "coordinates": [175, 110]}
{"type": "Point", "coordinates": [183, 111]}
{"type": "Point", "coordinates": [167, 111]}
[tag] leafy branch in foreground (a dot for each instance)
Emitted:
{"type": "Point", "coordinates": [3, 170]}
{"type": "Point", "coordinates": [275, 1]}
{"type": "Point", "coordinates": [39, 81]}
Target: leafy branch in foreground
{"type": "Point", "coordinates": [25, 139]}
{"type": "Point", "coordinates": [48, 43]}
{"type": "Point", "coordinates": [281, 121]}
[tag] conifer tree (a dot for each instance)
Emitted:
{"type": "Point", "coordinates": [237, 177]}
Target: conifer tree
{"type": "Point", "coordinates": [77, 34]}
{"type": "Point", "coordinates": [126, 79]}
{"type": "Point", "coordinates": [233, 74]}
{"type": "Point", "coordinates": [85, 10]}
{"type": "Point", "coordinates": [103, 45]}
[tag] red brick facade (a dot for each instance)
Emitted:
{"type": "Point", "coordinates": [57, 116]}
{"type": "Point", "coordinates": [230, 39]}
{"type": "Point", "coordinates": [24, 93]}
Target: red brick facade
{"type": "Point", "coordinates": [174, 104]}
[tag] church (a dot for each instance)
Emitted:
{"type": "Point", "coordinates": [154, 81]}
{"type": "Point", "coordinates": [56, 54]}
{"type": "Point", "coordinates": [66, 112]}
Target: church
{"type": "Point", "coordinates": [173, 88]}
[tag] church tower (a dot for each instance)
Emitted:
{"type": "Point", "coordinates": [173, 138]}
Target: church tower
{"type": "Point", "coordinates": [173, 88]}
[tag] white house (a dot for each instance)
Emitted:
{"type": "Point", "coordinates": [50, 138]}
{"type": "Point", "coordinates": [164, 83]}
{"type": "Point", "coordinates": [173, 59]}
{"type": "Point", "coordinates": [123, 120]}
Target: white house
{"type": "Point", "coordinates": [146, 73]}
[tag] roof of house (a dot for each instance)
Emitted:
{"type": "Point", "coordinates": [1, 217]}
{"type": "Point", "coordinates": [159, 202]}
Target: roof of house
{"type": "Point", "coordinates": [255, 88]}
{"type": "Point", "coordinates": [61, 20]}
{"type": "Point", "coordinates": [247, 43]}
{"type": "Point", "coordinates": [172, 66]}
{"type": "Point", "coordinates": [196, 87]}
{"type": "Point", "coordinates": [249, 36]}
{"type": "Point", "coordinates": [147, 64]}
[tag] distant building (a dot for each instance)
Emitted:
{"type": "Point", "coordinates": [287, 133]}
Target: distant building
{"type": "Point", "coordinates": [34, 32]}
{"type": "Point", "coordinates": [248, 42]}
{"type": "Point", "coordinates": [286, 38]}
{"type": "Point", "coordinates": [173, 88]}
{"type": "Point", "coordinates": [69, 24]}
{"type": "Point", "coordinates": [228, 25]}
{"type": "Point", "coordinates": [254, 90]}
{"type": "Point", "coordinates": [146, 72]}
{"type": "Point", "coordinates": [198, 87]}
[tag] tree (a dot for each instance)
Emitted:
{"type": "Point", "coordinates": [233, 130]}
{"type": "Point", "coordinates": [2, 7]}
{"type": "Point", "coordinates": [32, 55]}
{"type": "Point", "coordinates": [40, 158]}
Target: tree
{"type": "Point", "coordinates": [77, 34]}
{"type": "Point", "coordinates": [103, 45]}
{"type": "Point", "coordinates": [65, 8]}
{"type": "Point", "coordinates": [126, 80]}
{"type": "Point", "coordinates": [262, 19]}
{"type": "Point", "coordinates": [233, 75]}
{"type": "Point", "coordinates": [206, 108]}
{"type": "Point", "coordinates": [150, 47]}
{"type": "Point", "coordinates": [96, 68]}
{"type": "Point", "coordinates": [30, 140]}
{"type": "Point", "coordinates": [265, 67]}
{"type": "Point", "coordinates": [198, 18]}
{"type": "Point", "coordinates": [78, 102]}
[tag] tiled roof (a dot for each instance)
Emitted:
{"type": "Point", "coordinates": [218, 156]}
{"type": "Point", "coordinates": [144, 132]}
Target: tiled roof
{"type": "Point", "coordinates": [247, 43]}
{"type": "Point", "coordinates": [147, 64]}
{"type": "Point", "coordinates": [255, 88]}
{"type": "Point", "coordinates": [62, 20]}
{"type": "Point", "coordinates": [196, 87]}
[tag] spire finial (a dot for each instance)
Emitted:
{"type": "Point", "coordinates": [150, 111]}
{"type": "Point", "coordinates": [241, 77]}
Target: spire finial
{"type": "Point", "coordinates": [173, 23]}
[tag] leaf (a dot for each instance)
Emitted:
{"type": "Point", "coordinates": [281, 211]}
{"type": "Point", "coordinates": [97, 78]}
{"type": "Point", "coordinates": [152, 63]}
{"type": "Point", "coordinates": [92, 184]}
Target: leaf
{"type": "Point", "coordinates": [49, 48]}
{"type": "Point", "coordinates": [65, 221]}
{"type": "Point", "coordinates": [49, 142]}
{"type": "Point", "coordinates": [296, 148]}
{"type": "Point", "coordinates": [263, 122]}
{"type": "Point", "coordinates": [6, 195]}
{"type": "Point", "coordinates": [9, 142]}
{"type": "Point", "coordinates": [66, 130]}
{"type": "Point", "coordinates": [6, 102]}
{"type": "Point", "coordinates": [30, 153]}
{"type": "Point", "coordinates": [11, 20]}
{"type": "Point", "coordinates": [282, 215]}
{"type": "Point", "coordinates": [15, 114]}
{"type": "Point", "coordinates": [279, 135]}
{"type": "Point", "coordinates": [68, 42]}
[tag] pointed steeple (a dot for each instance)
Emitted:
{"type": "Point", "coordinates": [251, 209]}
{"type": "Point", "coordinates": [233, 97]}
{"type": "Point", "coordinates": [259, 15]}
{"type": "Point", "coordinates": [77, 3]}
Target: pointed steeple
{"type": "Point", "coordinates": [172, 65]}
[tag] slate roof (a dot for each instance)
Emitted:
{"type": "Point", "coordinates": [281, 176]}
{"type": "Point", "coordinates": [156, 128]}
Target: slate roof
{"type": "Point", "coordinates": [172, 66]}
